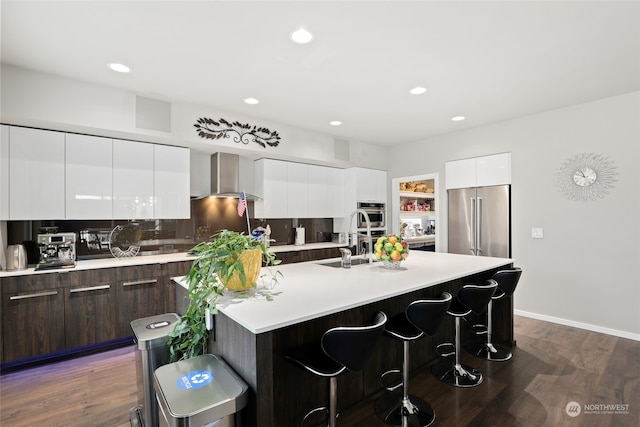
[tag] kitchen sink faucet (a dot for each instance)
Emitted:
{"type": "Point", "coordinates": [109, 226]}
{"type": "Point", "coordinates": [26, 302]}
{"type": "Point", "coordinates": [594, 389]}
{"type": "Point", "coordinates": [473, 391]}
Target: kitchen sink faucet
{"type": "Point", "coordinates": [368, 254]}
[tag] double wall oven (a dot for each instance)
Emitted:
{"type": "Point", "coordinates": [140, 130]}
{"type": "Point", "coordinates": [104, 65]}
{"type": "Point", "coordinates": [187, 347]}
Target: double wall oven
{"type": "Point", "coordinates": [376, 212]}
{"type": "Point", "coordinates": [377, 218]}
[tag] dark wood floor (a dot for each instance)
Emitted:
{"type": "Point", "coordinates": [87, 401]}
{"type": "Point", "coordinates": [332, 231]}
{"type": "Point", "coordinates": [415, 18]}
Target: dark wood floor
{"type": "Point", "coordinates": [553, 365]}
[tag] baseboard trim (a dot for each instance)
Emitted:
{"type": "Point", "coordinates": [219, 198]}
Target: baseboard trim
{"type": "Point", "coordinates": [580, 325]}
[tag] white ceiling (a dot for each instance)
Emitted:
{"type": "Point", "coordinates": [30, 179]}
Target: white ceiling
{"type": "Point", "coordinates": [488, 61]}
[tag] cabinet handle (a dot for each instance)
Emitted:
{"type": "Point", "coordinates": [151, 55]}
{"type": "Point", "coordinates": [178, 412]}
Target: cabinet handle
{"type": "Point", "coordinates": [40, 294]}
{"type": "Point", "coordinates": [91, 288]}
{"type": "Point", "coordinates": [140, 282]}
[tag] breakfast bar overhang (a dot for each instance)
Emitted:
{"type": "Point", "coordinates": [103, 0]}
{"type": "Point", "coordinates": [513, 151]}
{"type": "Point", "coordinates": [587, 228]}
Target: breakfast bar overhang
{"type": "Point", "coordinates": [254, 333]}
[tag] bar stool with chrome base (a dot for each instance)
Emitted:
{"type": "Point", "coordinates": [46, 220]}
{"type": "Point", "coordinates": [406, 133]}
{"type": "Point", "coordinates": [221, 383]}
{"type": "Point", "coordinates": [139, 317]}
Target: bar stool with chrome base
{"type": "Point", "coordinates": [507, 281]}
{"type": "Point", "coordinates": [422, 317]}
{"type": "Point", "coordinates": [342, 349]}
{"type": "Point", "coordinates": [470, 298]}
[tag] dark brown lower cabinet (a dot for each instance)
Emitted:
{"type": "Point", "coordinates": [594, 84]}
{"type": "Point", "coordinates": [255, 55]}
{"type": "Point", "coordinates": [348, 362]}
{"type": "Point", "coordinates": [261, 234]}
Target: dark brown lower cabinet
{"type": "Point", "coordinates": [90, 307]}
{"type": "Point", "coordinates": [139, 293]}
{"type": "Point", "coordinates": [32, 315]}
{"type": "Point", "coordinates": [307, 255]}
{"type": "Point", "coordinates": [174, 269]}
{"type": "Point", "coordinates": [60, 311]}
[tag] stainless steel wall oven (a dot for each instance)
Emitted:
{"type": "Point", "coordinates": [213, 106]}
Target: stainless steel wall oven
{"type": "Point", "coordinates": [376, 212]}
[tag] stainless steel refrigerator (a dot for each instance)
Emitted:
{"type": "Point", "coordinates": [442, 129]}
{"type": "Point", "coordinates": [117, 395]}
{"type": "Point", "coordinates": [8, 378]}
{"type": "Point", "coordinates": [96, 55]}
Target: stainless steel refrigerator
{"type": "Point", "coordinates": [480, 221]}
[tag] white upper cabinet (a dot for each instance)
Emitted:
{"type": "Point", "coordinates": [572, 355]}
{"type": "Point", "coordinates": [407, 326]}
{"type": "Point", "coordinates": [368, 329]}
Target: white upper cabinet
{"type": "Point", "coordinates": [335, 192]}
{"type": "Point", "coordinates": [479, 171]}
{"type": "Point", "coordinates": [171, 182]}
{"type": "Point", "coordinates": [4, 173]}
{"type": "Point", "coordinates": [132, 180]}
{"type": "Point", "coordinates": [371, 185]}
{"type": "Point", "coordinates": [326, 192]}
{"type": "Point", "coordinates": [89, 177]}
{"type": "Point", "coordinates": [460, 173]}
{"type": "Point", "coordinates": [271, 187]}
{"type": "Point", "coordinates": [317, 205]}
{"type": "Point", "coordinates": [297, 190]}
{"type": "Point", "coordinates": [493, 170]}
{"type": "Point", "coordinates": [36, 171]}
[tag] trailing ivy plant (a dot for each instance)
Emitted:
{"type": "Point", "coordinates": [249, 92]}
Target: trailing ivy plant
{"type": "Point", "coordinates": [217, 260]}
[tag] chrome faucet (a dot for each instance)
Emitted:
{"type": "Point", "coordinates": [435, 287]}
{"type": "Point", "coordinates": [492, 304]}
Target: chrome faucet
{"type": "Point", "coordinates": [368, 254]}
{"type": "Point", "coordinates": [346, 257]}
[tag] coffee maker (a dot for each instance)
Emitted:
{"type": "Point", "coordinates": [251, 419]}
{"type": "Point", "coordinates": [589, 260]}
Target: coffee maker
{"type": "Point", "coordinates": [57, 250]}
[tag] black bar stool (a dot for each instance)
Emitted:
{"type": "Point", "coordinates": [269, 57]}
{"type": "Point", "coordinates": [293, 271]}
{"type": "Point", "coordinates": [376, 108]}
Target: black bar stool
{"type": "Point", "coordinates": [507, 281]}
{"type": "Point", "coordinates": [422, 317]}
{"type": "Point", "coordinates": [342, 349]}
{"type": "Point", "coordinates": [470, 298]}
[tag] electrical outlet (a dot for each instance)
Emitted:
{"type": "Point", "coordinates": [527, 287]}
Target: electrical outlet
{"type": "Point", "coordinates": [537, 233]}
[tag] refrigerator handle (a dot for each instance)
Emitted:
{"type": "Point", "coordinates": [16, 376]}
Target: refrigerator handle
{"type": "Point", "coordinates": [472, 221]}
{"type": "Point", "coordinates": [479, 226]}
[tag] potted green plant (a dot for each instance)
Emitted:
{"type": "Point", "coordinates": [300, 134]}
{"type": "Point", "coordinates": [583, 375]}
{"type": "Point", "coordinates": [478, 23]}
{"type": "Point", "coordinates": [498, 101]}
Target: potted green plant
{"type": "Point", "coordinates": [229, 261]}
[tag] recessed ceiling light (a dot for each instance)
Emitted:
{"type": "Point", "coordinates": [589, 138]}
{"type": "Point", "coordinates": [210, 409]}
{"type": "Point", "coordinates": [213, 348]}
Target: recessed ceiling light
{"type": "Point", "coordinates": [120, 68]}
{"type": "Point", "coordinates": [301, 36]}
{"type": "Point", "coordinates": [457, 118]}
{"type": "Point", "coordinates": [418, 90]}
{"type": "Point", "coordinates": [251, 101]}
{"type": "Point", "coordinates": [335, 123]}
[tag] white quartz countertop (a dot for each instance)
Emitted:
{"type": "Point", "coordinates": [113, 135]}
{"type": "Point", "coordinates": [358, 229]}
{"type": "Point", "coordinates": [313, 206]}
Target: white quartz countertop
{"type": "Point", "coordinates": [309, 290]}
{"type": "Point", "coordinates": [93, 264]}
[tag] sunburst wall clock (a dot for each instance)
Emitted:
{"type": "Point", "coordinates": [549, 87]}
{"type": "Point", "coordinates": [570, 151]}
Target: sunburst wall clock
{"type": "Point", "coordinates": [586, 176]}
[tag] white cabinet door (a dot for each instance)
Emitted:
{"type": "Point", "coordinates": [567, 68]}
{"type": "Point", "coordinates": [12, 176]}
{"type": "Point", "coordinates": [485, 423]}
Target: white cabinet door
{"type": "Point", "coordinates": [460, 173]}
{"type": "Point", "coordinates": [318, 190]}
{"type": "Point", "coordinates": [297, 190]}
{"type": "Point", "coordinates": [335, 192]}
{"type": "Point", "coordinates": [271, 187]}
{"type": "Point", "coordinates": [493, 170]}
{"type": "Point", "coordinates": [89, 177]}
{"type": "Point", "coordinates": [4, 173]}
{"type": "Point", "coordinates": [171, 182]}
{"type": "Point", "coordinates": [132, 180]}
{"type": "Point", "coordinates": [371, 185]}
{"type": "Point", "coordinates": [479, 171]}
{"type": "Point", "coordinates": [36, 174]}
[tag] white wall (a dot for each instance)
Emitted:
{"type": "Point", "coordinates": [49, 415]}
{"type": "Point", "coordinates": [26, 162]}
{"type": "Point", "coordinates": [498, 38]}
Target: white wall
{"type": "Point", "coordinates": [51, 102]}
{"type": "Point", "coordinates": [586, 270]}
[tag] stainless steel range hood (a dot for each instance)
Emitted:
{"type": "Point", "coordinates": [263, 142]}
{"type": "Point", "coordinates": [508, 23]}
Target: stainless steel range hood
{"type": "Point", "coordinates": [225, 176]}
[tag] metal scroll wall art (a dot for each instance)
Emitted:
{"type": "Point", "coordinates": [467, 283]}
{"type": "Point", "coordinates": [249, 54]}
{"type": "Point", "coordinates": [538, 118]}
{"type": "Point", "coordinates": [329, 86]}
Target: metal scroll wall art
{"type": "Point", "coordinates": [241, 132]}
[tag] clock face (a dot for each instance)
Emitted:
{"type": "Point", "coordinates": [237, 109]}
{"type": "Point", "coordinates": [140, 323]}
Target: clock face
{"type": "Point", "coordinates": [584, 176]}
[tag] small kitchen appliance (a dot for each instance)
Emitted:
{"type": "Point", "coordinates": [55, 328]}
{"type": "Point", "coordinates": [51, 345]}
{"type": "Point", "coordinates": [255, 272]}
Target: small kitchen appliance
{"type": "Point", "coordinates": [299, 240]}
{"type": "Point", "coordinates": [57, 250]}
{"type": "Point", "coordinates": [16, 257]}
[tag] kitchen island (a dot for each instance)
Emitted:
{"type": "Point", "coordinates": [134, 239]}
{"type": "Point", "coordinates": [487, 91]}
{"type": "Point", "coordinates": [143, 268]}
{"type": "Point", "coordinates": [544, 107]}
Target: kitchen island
{"type": "Point", "coordinates": [254, 334]}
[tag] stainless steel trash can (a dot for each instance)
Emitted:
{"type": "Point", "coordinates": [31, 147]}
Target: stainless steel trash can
{"type": "Point", "coordinates": [151, 335]}
{"type": "Point", "coordinates": [200, 391]}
